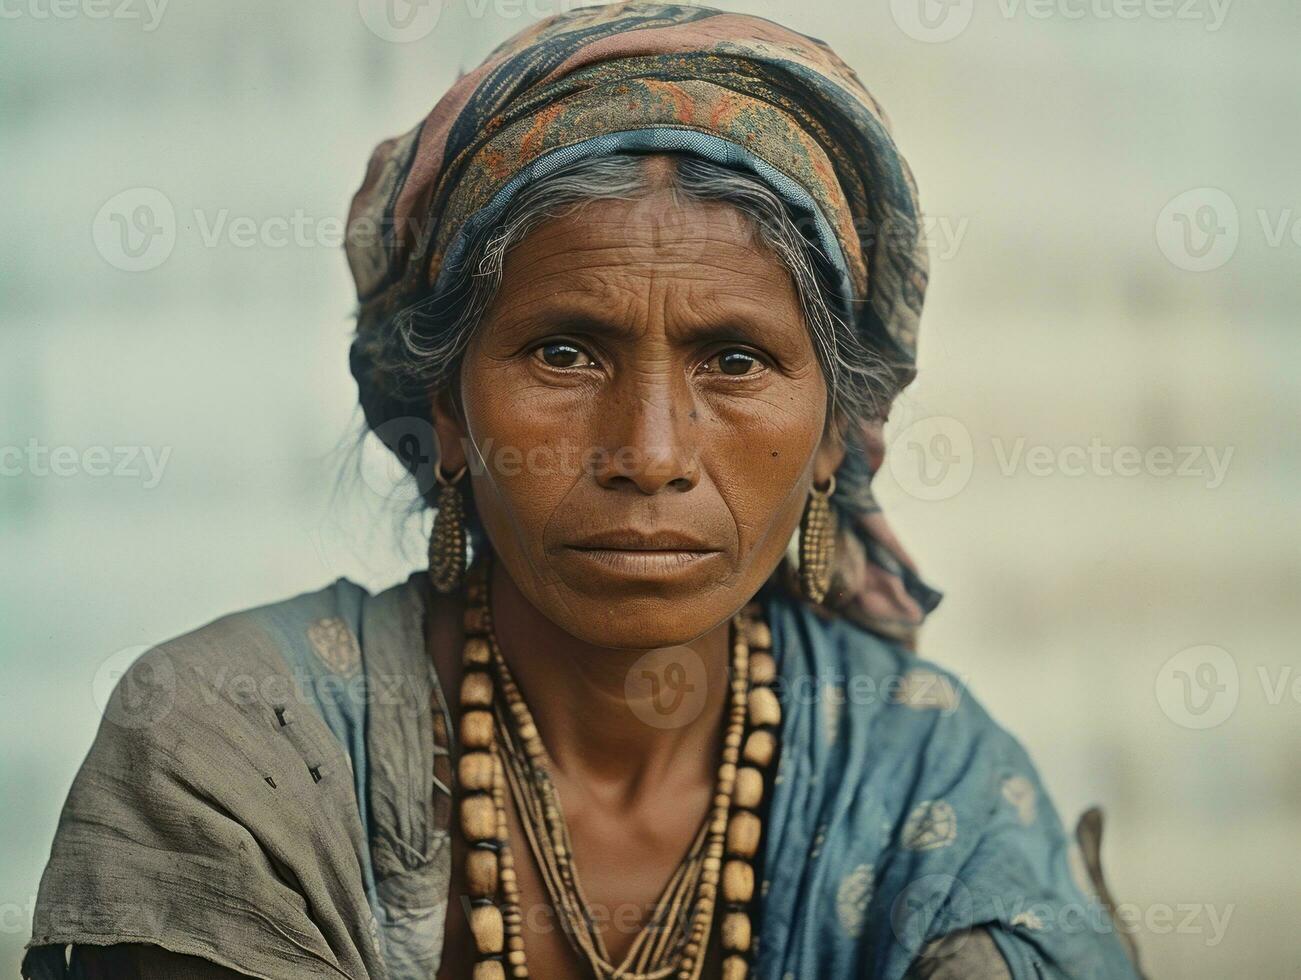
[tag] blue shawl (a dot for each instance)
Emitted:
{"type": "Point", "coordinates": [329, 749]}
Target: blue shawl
{"type": "Point", "coordinates": [261, 794]}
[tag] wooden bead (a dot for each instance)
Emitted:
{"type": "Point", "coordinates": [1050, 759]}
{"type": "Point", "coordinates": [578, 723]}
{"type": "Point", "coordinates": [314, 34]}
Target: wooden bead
{"type": "Point", "coordinates": [749, 787]}
{"type": "Point", "coordinates": [727, 774]}
{"type": "Point", "coordinates": [736, 932]}
{"type": "Point", "coordinates": [743, 831]}
{"type": "Point", "coordinates": [516, 956]}
{"type": "Point", "coordinates": [481, 872]}
{"type": "Point", "coordinates": [475, 620]}
{"type": "Point", "coordinates": [738, 882]}
{"type": "Point", "coordinates": [763, 669]}
{"type": "Point", "coordinates": [764, 707]}
{"type": "Point", "coordinates": [475, 771]}
{"type": "Point", "coordinates": [476, 729]}
{"type": "Point", "coordinates": [734, 968]}
{"type": "Point", "coordinates": [488, 928]}
{"type": "Point", "coordinates": [759, 635]}
{"type": "Point", "coordinates": [476, 690]}
{"type": "Point", "coordinates": [760, 746]}
{"type": "Point", "coordinates": [478, 818]}
{"type": "Point", "coordinates": [489, 970]}
{"type": "Point", "coordinates": [477, 653]}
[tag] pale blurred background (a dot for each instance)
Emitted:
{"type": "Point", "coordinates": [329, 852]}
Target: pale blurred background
{"type": "Point", "coordinates": [1116, 263]}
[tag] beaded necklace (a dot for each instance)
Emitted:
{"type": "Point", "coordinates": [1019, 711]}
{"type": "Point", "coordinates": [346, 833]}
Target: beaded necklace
{"type": "Point", "coordinates": [502, 751]}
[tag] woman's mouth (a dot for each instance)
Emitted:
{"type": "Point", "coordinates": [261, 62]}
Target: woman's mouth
{"type": "Point", "coordinates": [643, 562]}
{"type": "Point", "coordinates": [643, 554]}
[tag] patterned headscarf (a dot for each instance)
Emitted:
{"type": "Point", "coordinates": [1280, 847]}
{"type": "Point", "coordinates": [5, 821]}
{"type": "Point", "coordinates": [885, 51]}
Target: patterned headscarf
{"type": "Point", "coordinates": [649, 77]}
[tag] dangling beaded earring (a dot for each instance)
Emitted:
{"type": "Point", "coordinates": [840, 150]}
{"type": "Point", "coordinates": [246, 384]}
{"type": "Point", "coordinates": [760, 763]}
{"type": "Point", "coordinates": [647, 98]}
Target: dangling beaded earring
{"type": "Point", "coordinates": [817, 543]}
{"type": "Point", "coordinates": [447, 543]}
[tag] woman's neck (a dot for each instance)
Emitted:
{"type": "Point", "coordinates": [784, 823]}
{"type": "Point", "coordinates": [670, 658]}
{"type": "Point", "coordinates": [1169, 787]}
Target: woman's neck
{"type": "Point", "coordinates": [625, 723]}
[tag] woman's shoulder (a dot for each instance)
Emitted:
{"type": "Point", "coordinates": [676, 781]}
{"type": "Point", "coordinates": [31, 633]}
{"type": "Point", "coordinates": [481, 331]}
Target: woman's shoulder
{"type": "Point", "coordinates": [322, 619]}
{"type": "Point", "coordinates": [288, 651]}
{"type": "Point", "coordinates": [243, 688]}
{"type": "Point", "coordinates": [924, 752]}
{"type": "Point", "coordinates": [833, 660]}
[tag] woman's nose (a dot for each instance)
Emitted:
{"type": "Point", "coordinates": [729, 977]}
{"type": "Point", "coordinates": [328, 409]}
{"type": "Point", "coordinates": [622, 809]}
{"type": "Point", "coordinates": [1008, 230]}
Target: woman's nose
{"type": "Point", "coordinates": [651, 444]}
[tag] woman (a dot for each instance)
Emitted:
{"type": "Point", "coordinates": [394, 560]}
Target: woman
{"type": "Point", "coordinates": [635, 298]}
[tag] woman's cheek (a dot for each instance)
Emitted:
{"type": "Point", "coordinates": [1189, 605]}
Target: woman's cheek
{"type": "Point", "coordinates": [531, 440]}
{"type": "Point", "coordinates": [759, 455]}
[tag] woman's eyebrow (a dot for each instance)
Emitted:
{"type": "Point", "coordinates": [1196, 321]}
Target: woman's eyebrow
{"type": "Point", "coordinates": [540, 317]}
{"type": "Point", "coordinates": [778, 342]}
{"type": "Point", "coordinates": [578, 311]}
{"type": "Point", "coordinates": [737, 329]}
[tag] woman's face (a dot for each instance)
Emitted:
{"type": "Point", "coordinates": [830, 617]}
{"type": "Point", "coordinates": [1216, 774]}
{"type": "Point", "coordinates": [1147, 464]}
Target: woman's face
{"type": "Point", "coordinates": [643, 415]}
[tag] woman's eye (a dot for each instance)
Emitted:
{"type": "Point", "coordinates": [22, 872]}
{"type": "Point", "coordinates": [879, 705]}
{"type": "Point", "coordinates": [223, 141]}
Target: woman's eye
{"type": "Point", "coordinates": [733, 362]}
{"type": "Point", "coordinates": [562, 355]}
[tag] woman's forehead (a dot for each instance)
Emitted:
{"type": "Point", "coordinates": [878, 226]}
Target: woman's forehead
{"type": "Point", "coordinates": [614, 254]}
{"type": "Point", "coordinates": [660, 226]}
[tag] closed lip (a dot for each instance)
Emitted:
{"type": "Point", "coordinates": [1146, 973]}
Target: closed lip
{"type": "Point", "coordinates": [629, 539]}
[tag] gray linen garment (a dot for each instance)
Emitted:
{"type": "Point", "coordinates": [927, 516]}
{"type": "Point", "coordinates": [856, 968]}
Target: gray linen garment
{"type": "Point", "coordinates": [222, 769]}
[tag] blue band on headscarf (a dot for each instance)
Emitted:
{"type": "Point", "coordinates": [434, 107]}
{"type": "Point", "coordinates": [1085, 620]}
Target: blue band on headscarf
{"type": "Point", "coordinates": [664, 139]}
